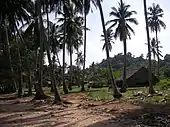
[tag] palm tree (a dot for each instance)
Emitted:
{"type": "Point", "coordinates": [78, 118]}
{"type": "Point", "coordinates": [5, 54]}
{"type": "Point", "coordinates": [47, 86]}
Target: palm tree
{"type": "Point", "coordinates": [123, 30]}
{"type": "Point", "coordinates": [87, 6]}
{"type": "Point", "coordinates": [9, 55]}
{"type": "Point", "coordinates": [52, 73]}
{"type": "Point", "coordinates": [110, 36]}
{"type": "Point", "coordinates": [12, 12]}
{"type": "Point", "coordinates": [79, 63]}
{"type": "Point", "coordinates": [39, 91]}
{"type": "Point", "coordinates": [155, 24]}
{"type": "Point", "coordinates": [20, 67]}
{"type": "Point", "coordinates": [151, 89]}
{"type": "Point", "coordinates": [73, 26]}
{"type": "Point", "coordinates": [55, 41]}
{"type": "Point", "coordinates": [116, 92]}
{"type": "Point", "coordinates": [153, 52]}
{"type": "Point", "coordinates": [60, 7]}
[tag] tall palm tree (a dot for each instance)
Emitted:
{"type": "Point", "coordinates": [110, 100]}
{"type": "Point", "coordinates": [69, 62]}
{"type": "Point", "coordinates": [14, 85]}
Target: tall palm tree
{"type": "Point", "coordinates": [73, 24]}
{"type": "Point", "coordinates": [55, 41]}
{"type": "Point", "coordinates": [52, 73]}
{"type": "Point", "coordinates": [122, 16]}
{"type": "Point", "coordinates": [155, 52]}
{"type": "Point", "coordinates": [79, 63]}
{"type": "Point", "coordinates": [32, 29]}
{"type": "Point", "coordinates": [13, 12]}
{"type": "Point", "coordinates": [39, 91]}
{"type": "Point", "coordinates": [116, 92]}
{"type": "Point", "coordinates": [20, 66]}
{"type": "Point", "coordinates": [155, 23]}
{"type": "Point", "coordinates": [86, 9]}
{"type": "Point", "coordinates": [9, 55]}
{"type": "Point", "coordinates": [61, 6]}
{"type": "Point", "coordinates": [151, 89]}
{"type": "Point", "coordinates": [110, 36]}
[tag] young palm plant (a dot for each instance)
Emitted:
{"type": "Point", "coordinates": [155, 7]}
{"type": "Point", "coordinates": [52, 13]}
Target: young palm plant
{"type": "Point", "coordinates": [155, 23]}
{"type": "Point", "coordinates": [122, 18]}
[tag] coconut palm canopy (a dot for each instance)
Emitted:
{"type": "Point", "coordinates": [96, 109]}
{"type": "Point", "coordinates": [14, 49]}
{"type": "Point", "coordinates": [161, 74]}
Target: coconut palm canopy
{"type": "Point", "coordinates": [121, 19]}
{"type": "Point", "coordinates": [110, 36]}
{"type": "Point", "coordinates": [154, 15]}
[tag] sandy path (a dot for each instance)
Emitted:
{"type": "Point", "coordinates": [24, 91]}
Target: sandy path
{"type": "Point", "coordinates": [26, 113]}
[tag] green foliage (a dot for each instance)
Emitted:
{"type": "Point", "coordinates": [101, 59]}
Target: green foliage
{"type": "Point", "coordinates": [117, 74]}
{"type": "Point", "coordinates": [167, 73]}
{"type": "Point", "coordinates": [132, 64]}
{"type": "Point", "coordinates": [99, 94]}
{"type": "Point", "coordinates": [164, 84]}
{"type": "Point", "coordinates": [122, 18]}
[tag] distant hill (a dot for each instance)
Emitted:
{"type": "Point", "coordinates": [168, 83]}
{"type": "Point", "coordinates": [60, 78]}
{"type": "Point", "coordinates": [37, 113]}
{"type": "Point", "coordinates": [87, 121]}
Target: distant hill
{"type": "Point", "coordinates": [117, 62]}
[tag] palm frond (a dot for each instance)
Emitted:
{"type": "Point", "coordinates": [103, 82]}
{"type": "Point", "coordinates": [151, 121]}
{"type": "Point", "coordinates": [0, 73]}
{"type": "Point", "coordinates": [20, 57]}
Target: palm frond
{"type": "Point", "coordinates": [130, 28]}
{"type": "Point", "coordinates": [132, 20]}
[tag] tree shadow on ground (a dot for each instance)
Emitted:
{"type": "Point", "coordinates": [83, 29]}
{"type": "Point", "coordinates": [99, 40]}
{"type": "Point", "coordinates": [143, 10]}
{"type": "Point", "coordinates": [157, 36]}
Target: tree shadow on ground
{"type": "Point", "coordinates": [157, 115]}
{"type": "Point", "coordinates": [8, 96]}
{"type": "Point", "coordinates": [40, 120]}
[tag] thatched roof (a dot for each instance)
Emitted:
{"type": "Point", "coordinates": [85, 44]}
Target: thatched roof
{"type": "Point", "coordinates": [130, 73]}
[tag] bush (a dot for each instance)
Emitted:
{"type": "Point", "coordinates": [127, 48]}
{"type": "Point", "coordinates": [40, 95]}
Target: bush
{"type": "Point", "coordinates": [164, 84]}
{"type": "Point", "coordinates": [167, 73]}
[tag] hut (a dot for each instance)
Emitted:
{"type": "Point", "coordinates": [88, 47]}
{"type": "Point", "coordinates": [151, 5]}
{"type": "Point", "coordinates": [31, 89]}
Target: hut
{"type": "Point", "coordinates": [137, 78]}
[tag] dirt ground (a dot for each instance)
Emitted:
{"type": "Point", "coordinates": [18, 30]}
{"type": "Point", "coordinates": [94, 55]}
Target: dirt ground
{"type": "Point", "coordinates": [24, 112]}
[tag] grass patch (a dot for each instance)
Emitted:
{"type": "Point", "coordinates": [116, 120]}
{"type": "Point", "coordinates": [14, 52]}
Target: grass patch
{"type": "Point", "coordinates": [98, 94]}
{"type": "Point", "coordinates": [163, 84]}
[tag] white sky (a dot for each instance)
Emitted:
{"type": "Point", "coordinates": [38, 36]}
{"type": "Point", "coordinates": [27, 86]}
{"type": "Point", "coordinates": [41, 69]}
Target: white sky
{"type": "Point", "coordinates": [136, 45]}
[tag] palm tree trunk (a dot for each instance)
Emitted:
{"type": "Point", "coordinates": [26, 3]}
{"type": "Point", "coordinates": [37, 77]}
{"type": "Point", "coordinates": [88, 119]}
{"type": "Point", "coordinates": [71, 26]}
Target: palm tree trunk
{"type": "Point", "coordinates": [84, 64]}
{"type": "Point", "coordinates": [9, 57]}
{"type": "Point", "coordinates": [53, 63]}
{"type": "Point", "coordinates": [157, 44]}
{"type": "Point", "coordinates": [20, 92]}
{"type": "Point", "coordinates": [78, 66]}
{"type": "Point", "coordinates": [124, 86]}
{"type": "Point", "coordinates": [52, 74]}
{"type": "Point", "coordinates": [151, 90]}
{"type": "Point", "coordinates": [58, 60]}
{"type": "Point", "coordinates": [36, 69]}
{"type": "Point", "coordinates": [71, 65]}
{"type": "Point", "coordinates": [71, 69]}
{"type": "Point", "coordinates": [27, 62]}
{"type": "Point", "coordinates": [154, 66]}
{"type": "Point", "coordinates": [116, 93]}
{"type": "Point", "coordinates": [48, 52]}
{"type": "Point", "coordinates": [63, 76]}
{"type": "Point", "coordinates": [39, 91]}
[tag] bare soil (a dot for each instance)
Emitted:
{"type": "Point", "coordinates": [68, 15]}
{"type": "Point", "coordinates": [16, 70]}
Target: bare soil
{"type": "Point", "coordinates": [80, 112]}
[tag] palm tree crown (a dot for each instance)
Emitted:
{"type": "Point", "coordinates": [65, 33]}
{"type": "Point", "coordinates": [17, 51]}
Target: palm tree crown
{"type": "Point", "coordinates": [155, 13]}
{"type": "Point", "coordinates": [122, 17]}
{"type": "Point", "coordinates": [110, 36]}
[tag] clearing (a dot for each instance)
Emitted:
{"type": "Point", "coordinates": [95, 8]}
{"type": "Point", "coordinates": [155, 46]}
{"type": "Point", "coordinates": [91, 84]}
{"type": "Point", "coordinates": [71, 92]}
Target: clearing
{"type": "Point", "coordinates": [81, 112]}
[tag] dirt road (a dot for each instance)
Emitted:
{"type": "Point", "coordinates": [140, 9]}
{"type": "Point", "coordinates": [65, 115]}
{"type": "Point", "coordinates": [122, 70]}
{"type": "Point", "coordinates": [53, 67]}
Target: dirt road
{"type": "Point", "coordinates": [80, 112]}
